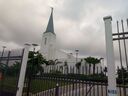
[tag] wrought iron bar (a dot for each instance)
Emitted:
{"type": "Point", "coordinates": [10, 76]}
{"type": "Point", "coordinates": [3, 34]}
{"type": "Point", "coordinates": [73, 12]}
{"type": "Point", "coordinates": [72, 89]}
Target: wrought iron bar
{"type": "Point", "coordinates": [121, 38]}
{"type": "Point", "coordinates": [119, 45]}
{"type": "Point", "coordinates": [124, 45]}
{"type": "Point", "coordinates": [123, 33]}
{"type": "Point", "coordinates": [125, 55]}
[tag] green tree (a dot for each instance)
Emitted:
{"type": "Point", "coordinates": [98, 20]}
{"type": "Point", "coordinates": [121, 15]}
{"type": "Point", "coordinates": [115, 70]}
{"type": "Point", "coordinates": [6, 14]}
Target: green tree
{"type": "Point", "coordinates": [122, 73]}
{"type": "Point", "coordinates": [35, 61]}
{"type": "Point", "coordinates": [92, 60]}
{"type": "Point", "coordinates": [14, 69]}
{"type": "Point", "coordinates": [3, 67]}
{"type": "Point", "coordinates": [34, 65]}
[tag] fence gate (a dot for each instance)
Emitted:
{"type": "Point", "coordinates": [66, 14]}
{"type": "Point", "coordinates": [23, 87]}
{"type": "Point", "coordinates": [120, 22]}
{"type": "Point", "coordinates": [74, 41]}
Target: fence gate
{"type": "Point", "coordinates": [10, 63]}
{"type": "Point", "coordinates": [54, 82]}
{"type": "Point", "coordinates": [121, 37]}
{"type": "Point", "coordinates": [121, 60]}
{"type": "Point", "coordinates": [70, 81]}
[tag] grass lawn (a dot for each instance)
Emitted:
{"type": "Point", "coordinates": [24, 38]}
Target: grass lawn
{"type": "Point", "coordinates": [37, 85]}
{"type": "Point", "coordinates": [9, 84]}
{"type": "Point", "coordinates": [41, 85]}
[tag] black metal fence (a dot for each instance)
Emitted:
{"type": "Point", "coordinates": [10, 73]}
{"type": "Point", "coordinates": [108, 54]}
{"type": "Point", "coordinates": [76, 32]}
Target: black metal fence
{"type": "Point", "coordinates": [10, 62]}
{"type": "Point", "coordinates": [56, 83]}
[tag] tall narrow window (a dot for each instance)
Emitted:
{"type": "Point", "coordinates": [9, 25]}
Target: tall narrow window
{"type": "Point", "coordinates": [45, 41]}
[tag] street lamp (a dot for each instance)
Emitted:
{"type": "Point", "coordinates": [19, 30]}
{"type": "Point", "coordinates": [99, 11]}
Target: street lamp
{"type": "Point", "coordinates": [2, 53]}
{"type": "Point", "coordinates": [34, 45]}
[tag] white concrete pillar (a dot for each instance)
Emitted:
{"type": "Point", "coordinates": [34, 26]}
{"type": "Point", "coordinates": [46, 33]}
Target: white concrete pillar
{"type": "Point", "coordinates": [112, 91]}
{"type": "Point", "coordinates": [23, 71]}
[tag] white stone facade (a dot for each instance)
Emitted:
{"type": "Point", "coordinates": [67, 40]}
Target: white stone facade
{"type": "Point", "coordinates": [48, 45]}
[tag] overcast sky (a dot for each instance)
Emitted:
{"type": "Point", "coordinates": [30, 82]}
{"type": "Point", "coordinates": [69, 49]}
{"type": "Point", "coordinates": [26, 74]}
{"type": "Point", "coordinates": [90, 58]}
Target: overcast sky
{"type": "Point", "coordinates": [78, 23]}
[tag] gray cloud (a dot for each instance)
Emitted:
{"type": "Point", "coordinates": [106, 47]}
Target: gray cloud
{"type": "Point", "coordinates": [21, 21]}
{"type": "Point", "coordinates": [78, 23]}
{"type": "Point", "coordinates": [73, 9]}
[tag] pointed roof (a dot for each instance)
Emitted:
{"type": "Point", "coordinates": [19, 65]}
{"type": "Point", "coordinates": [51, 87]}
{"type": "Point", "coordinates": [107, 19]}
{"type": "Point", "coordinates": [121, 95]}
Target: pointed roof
{"type": "Point", "coordinates": [50, 26]}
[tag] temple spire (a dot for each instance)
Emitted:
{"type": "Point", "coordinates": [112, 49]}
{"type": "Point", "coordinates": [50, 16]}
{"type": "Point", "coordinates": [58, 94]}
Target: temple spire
{"type": "Point", "coordinates": [50, 26]}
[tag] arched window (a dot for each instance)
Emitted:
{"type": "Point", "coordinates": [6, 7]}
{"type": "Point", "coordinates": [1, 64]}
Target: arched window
{"type": "Point", "coordinates": [45, 42]}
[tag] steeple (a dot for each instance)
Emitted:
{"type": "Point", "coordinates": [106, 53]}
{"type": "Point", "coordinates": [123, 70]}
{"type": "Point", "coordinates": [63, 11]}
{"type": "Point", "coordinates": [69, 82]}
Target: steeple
{"type": "Point", "coordinates": [50, 26]}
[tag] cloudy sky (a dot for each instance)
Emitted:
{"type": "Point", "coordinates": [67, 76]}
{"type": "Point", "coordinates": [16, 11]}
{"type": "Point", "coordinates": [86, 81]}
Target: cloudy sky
{"type": "Point", "coordinates": [78, 23]}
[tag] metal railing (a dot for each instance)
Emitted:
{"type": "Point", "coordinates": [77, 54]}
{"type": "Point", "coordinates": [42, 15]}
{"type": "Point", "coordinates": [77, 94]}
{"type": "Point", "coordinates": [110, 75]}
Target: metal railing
{"type": "Point", "coordinates": [56, 83]}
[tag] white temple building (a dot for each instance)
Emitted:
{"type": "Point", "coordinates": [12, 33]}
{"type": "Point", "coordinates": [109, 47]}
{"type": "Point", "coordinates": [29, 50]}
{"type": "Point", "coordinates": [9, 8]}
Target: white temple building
{"type": "Point", "coordinates": [49, 47]}
{"type": "Point", "coordinates": [50, 50]}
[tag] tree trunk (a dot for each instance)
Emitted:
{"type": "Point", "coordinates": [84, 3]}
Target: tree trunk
{"type": "Point", "coordinates": [79, 70]}
{"type": "Point", "coordinates": [93, 69]}
{"type": "Point", "coordinates": [89, 69]}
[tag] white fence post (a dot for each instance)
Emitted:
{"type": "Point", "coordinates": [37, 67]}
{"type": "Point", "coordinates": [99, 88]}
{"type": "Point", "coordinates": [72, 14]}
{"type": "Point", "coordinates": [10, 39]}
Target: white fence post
{"type": "Point", "coordinates": [23, 71]}
{"type": "Point", "coordinates": [112, 91]}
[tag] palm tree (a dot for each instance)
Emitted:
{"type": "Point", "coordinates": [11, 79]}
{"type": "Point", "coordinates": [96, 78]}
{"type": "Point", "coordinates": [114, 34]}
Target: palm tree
{"type": "Point", "coordinates": [78, 65]}
{"type": "Point", "coordinates": [105, 70]}
{"type": "Point", "coordinates": [61, 68]}
{"type": "Point", "coordinates": [66, 66]}
{"type": "Point", "coordinates": [89, 61]}
{"type": "Point", "coordinates": [3, 69]}
{"type": "Point", "coordinates": [53, 64]}
{"type": "Point", "coordinates": [92, 60]}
